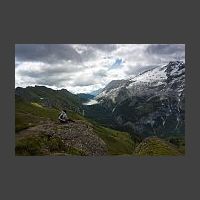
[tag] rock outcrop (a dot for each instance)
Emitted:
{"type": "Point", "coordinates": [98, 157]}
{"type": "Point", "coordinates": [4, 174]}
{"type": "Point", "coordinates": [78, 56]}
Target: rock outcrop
{"type": "Point", "coordinates": [77, 135]}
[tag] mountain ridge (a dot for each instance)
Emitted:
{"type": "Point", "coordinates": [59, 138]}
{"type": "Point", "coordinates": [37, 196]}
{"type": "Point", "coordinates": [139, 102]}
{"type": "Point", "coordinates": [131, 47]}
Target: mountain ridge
{"type": "Point", "coordinates": [47, 97]}
{"type": "Point", "coordinates": [150, 102]}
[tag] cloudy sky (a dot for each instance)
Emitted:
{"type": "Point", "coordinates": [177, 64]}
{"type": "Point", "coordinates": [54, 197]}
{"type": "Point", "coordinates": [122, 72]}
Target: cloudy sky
{"type": "Point", "coordinates": [87, 67]}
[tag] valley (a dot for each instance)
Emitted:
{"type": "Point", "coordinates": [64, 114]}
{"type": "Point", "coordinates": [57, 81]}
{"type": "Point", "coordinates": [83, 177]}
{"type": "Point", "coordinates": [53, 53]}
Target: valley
{"type": "Point", "coordinates": [143, 115]}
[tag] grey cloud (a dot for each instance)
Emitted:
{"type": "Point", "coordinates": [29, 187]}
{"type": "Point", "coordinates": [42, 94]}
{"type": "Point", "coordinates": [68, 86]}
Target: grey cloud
{"type": "Point", "coordinates": [104, 47]}
{"type": "Point", "coordinates": [57, 81]}
{"type": "Point", "coordinates": [136, 70]}
{"type": "Point", "coordinates": [84, 81]}
{"type": "Point", "coordinates": [47, 53]}
{"type": "Point", "coordinates": [55, 53]}
{"type": "Point", "coordinates": [89, 53]}
{"type": "Point", "coordinates": [90, 50]}
{"type": "Point", "coordinates": [57, 71]}
{"type": "Point", "coordinates": [54, 81]}
{"type": "Point", "coordinates": [100, 73]}
{"type": "Point", "coordinates": [51, 77]}
{"type": "Point", "coordinates": [166, 49]}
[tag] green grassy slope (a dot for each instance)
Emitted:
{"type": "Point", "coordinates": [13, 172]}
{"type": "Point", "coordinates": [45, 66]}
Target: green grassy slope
{"type": "Point", "coordinates": [30, 114]}
{"type": "Point", "coordinates": [119, 143]}
{"type": "Point", "coordinates": [39, 145]}
{"type": "Point", "coordinates": [153, 146]}
{"type": "Point", "coordinates": [178, 141]}
{"type": "Point", "coordinates": [27, 114]}
{"type": "Point", "coordinates": [49, 97]}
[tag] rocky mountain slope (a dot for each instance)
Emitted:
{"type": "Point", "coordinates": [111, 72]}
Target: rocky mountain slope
{"type": "Point", "coordinates": [151, 103]}
{"type": "Point", "coordinates": [54, 138]}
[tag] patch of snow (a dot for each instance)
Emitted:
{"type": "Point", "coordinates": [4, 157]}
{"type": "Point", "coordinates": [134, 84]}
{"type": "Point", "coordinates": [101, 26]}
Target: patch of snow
{"type": "Point", "coordinates": [178, 121]}
{"type": "Point", "coordinates": [113, 109]}
{"type": "Point", "coordinates": [158, 83]}
{"type": "Point", "coordinates": [155, 76]}
{"type": "Point", "coordinates": [146, 83]}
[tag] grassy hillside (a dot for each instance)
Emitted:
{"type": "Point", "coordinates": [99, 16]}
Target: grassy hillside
{"type": "Point", "coordinates": [119, 143]}
{"type": "Point", "coordinates": [30, 114]}
{"type": "Point", "coordinates": [178, 141]}
{"type": "Point", "coordinates": [154, 146]}
{"type": "Point", "coordinates": [40, 145]}
{"type": "Point", "coordinates": [49, 97]}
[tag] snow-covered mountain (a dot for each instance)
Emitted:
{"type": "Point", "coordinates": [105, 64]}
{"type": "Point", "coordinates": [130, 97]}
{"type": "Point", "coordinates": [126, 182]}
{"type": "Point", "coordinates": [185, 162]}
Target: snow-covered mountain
{"type": "Point", "coordinates": [151, 103]}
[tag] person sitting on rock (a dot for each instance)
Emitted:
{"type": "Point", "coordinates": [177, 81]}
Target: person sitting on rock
{"type": "Point", "coordinates": [63, 118]}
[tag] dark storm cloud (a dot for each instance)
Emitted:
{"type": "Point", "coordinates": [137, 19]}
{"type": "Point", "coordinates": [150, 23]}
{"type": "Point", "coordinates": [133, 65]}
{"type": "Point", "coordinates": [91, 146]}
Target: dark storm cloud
{"type": "Point", "coordinates": [47, 53]}
{"type": "Point", "coordinates": [57, 53]}
{"type": "Point", "coordinates": [167, 49]}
